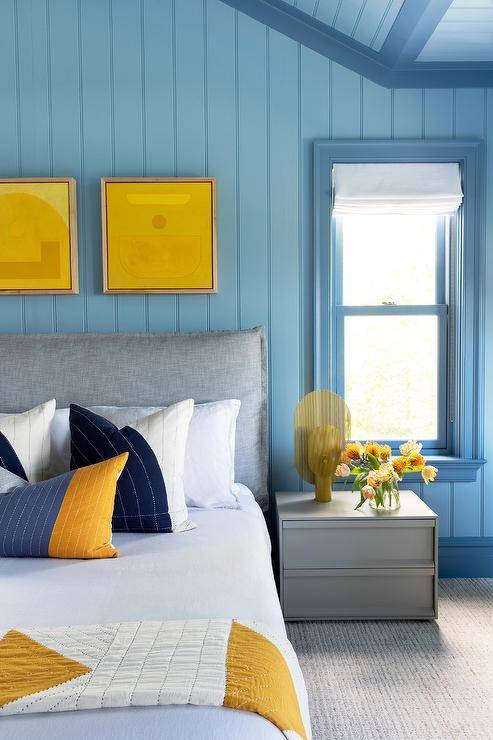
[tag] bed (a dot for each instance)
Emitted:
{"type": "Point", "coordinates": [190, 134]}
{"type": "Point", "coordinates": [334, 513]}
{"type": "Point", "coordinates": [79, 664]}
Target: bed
{"type": "Point", "coordinates": [220, 569]}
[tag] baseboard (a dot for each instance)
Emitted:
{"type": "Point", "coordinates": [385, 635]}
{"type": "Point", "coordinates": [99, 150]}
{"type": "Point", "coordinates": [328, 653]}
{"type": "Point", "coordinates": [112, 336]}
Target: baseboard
{"type": "Point", "coordinates": [465, 557]}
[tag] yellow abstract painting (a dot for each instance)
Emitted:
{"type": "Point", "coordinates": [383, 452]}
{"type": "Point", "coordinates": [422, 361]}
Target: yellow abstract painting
{"type": "Point", "coordinates": [159, 235]}
{"type": "Point", "coordinates": [38, 236]}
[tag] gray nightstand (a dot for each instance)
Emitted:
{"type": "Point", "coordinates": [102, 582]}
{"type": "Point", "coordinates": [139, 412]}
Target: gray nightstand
{"type": "Point", "coordinates": [337, 563]}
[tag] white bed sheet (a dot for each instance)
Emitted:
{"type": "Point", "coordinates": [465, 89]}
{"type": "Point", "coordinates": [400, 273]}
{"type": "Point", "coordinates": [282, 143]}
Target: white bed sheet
{"type": "Point", "coordinates": [220, 569]}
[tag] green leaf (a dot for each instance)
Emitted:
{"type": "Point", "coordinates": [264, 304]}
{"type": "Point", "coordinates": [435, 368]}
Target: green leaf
{"type": "Point", "coordinates": [373, 461]}
{"type": "Point", "coordinates": [359, 480]}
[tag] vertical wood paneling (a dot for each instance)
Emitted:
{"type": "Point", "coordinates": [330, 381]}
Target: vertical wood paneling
{"type": "Point", "coordinates": [66, 127]}
{"type": "Point", "coordinates": [377, 111]}
{"type": "Point", "coordinates": [222, 143]}
{"type": "Point", "coordinates": [129, 101]}
{"type": "Point", "coordinates": [314, 125]}
{"type": "Point", "coordinates": [346, 98]}
{"type": "Point", "coordinates": [191, 72]}
{"type": "Point", "coordinates": [159, 122]}
{"type": "Point", "coordinates": [437, 496]}
{"type": "Point", "coordinates": [167, 87]}
{"type": "Point", "coordinates": [408, 114]}
{"type": "Point", "coordinates": [471, 502]}
{"type": "Point", "coordinates": [439, 113]}
{"type": "Point", "coordinates": [466, 509]}
{"type": "Point", "coordinates": [284, 61]}
{"type": "Point", "coordinates": [10, 306]}
{"type": "Point", "coordinates": [254, 173]}
{"type": "Point", "coordinates": [488, 418]}
{"type": "Point", "coordinates": [469, 112]}
{"type": "Point", "coordinates": [96, 116]}
{"type": "Point", "coordinates": [35, 126]}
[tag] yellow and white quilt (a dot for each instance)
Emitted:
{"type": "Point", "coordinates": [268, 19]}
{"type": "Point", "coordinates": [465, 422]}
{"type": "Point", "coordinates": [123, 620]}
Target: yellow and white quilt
{"type": "Point", "coordinates": [215, 662]}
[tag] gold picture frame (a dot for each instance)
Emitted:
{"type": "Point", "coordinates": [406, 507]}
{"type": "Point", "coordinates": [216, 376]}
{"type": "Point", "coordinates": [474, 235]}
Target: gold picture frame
{"type": "Point", "coordinates": [159, 235]}
{"type": "Point", "coordinates": [38, 236]}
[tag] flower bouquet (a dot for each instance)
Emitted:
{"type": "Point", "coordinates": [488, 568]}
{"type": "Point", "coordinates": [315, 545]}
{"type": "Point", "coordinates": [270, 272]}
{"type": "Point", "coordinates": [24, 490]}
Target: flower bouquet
{"type": "Point", "coordinates": [377, 474]}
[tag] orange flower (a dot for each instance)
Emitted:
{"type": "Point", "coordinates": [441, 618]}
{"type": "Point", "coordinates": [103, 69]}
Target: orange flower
{"type": "Point", "coordinates": [385, 453]}
{"type": "Point", "coordinates": [400, 464]}
{"type": "Point", "coordinates": [372, 448]}
{"type": "Point", "coordinates": [416, 461]}
{"type": "Point", "coordinates": [353, 452]}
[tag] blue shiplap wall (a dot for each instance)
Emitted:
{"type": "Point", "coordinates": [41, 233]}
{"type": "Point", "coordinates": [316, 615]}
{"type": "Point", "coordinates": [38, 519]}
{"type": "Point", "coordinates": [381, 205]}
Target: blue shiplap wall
{"type": "Point", "coordinates": [190, 87]}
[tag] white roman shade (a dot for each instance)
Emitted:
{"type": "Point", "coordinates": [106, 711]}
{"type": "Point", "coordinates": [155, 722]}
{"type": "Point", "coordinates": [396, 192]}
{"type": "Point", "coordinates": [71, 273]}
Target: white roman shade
{"type": "Point", "coordinates": [397, 188]}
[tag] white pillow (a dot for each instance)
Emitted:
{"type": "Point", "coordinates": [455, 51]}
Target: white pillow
{"type": "Point", "coordinates": [29, 436]}
{"type": "Point", "coordinates": [209, 474]}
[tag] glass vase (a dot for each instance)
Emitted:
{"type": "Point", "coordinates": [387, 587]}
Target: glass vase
{"type": "Point", "coordinates": [388, 501]}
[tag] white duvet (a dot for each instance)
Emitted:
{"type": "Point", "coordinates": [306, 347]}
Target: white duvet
{"type": "Point", "coordinates": [220, 569]}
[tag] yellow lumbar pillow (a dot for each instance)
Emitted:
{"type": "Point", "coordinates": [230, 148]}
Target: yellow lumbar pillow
{"type": "Point", "coordinates": [66, 517]}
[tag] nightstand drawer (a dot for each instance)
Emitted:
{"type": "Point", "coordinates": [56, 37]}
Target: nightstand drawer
{"type": "Point", "coordinates": [405, 593]}
{"type": "Point", "coordinates": [365, 544]}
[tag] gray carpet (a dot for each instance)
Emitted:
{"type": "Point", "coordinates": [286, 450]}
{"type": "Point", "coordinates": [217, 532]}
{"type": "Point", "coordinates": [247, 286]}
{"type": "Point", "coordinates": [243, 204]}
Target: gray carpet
{"type": "Point", "coordinates": [425, 680]}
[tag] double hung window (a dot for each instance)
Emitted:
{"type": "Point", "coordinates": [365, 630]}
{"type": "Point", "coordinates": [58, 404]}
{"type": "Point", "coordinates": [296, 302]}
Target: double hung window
{"type": "Point", "coordinates": [399, 292]}
{"type": "Point", "coordinates": [392, 325]}
{"type": "Point", "coordinates": [393, 242]}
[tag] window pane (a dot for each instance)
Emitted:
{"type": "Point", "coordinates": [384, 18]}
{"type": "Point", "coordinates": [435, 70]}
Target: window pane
{"type": "Point", "coordinates": [391, 376]}
{"type": "Point", "coordinates": [389, 259]}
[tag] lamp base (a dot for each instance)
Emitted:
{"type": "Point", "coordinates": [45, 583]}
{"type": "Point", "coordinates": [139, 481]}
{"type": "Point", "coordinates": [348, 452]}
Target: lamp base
{"type": "Point", "coordinates": [323, 490]}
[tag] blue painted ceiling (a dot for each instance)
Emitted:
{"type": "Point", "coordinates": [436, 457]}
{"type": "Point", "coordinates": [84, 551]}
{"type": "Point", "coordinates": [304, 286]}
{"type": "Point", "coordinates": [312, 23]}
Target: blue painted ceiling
{"type": "Point", "coordinates": [366, 21]}
{"type": "Point", "coordinates": [396, 43]}
{"type": "Point", "coordinates": [465, 34]}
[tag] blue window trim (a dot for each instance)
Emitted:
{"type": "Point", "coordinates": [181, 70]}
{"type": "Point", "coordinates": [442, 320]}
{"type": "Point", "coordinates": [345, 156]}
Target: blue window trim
{"type": "Point", "coordinates": [466, 338]}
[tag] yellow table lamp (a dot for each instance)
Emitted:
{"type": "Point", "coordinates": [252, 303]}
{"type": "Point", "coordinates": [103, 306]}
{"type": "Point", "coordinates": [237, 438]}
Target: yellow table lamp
{"type": "Point", "coordinates": [321, 425]}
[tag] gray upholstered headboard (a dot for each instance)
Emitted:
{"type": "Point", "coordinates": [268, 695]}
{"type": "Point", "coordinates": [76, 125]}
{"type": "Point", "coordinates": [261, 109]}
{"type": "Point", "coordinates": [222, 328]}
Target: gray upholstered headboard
{"type": "Point", "coordinates": [146, 370]}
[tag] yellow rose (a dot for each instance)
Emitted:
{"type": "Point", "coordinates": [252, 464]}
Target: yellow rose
{"type": "Point", "coordinates": [372, 448]}
{"type": "Point", "coordinates": [416, 461]}
{"type": "Point", "coordinates": [400, 464]}
{"type": "Point", "coordinates": [410, 447]}
{"type": "Point", "coordinates": [429, 473]}
{"type": "Point", "coordinates": [353, 452]}
{"type": "Point", "coordinates": [374, 479]}
{"type": "Point", "coordinates": [385, 453]}
{"type": "Point", "coordinates": [386, 472]}
{"type": "Point", "coordinates": [343, 470]}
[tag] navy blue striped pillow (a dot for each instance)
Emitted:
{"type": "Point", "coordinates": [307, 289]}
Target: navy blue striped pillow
{"type": "Point", "coordinates": [143, 502]}
{"type": "Point", "coordinates": [9, 459]}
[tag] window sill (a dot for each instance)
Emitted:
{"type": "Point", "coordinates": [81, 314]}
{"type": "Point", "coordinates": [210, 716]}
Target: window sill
{"type": "Point", "coordinates": [451, 469]}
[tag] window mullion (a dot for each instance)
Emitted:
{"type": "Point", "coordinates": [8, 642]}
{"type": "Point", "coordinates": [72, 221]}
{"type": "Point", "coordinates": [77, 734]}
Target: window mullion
{"type": "Point", "coordinates": [434, 309]}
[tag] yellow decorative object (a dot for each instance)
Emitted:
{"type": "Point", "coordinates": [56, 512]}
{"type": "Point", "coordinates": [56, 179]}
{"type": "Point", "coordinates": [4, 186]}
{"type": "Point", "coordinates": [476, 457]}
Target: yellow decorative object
{"type": "Point", "coordinates": [321, 425]}
{"type": "Point", "coordinates": [27, 667]}
{"type": "Point", "coordinates": [38, 236]}
{"type": "Point", "coordinates": [258, 680]}
{"type": "Point", "coordinates": [82, 528]}
{"type": "Point", "coordinates": [159, 235]}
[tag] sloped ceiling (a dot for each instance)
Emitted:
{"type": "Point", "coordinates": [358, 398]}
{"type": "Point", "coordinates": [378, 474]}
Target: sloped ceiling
{"type": "Point", "coordinates": [396, 43]}
{"type": "Point", "coordinates": [367, 22]}
{"type": "Point", "coordinates": [465, 34]}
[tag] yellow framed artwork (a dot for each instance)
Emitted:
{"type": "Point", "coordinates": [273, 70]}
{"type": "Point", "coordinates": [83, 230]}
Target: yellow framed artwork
{"type": "Point", "coordinates": [38, 235]}
{"type": "Point", "coordinates": [159, 235]}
